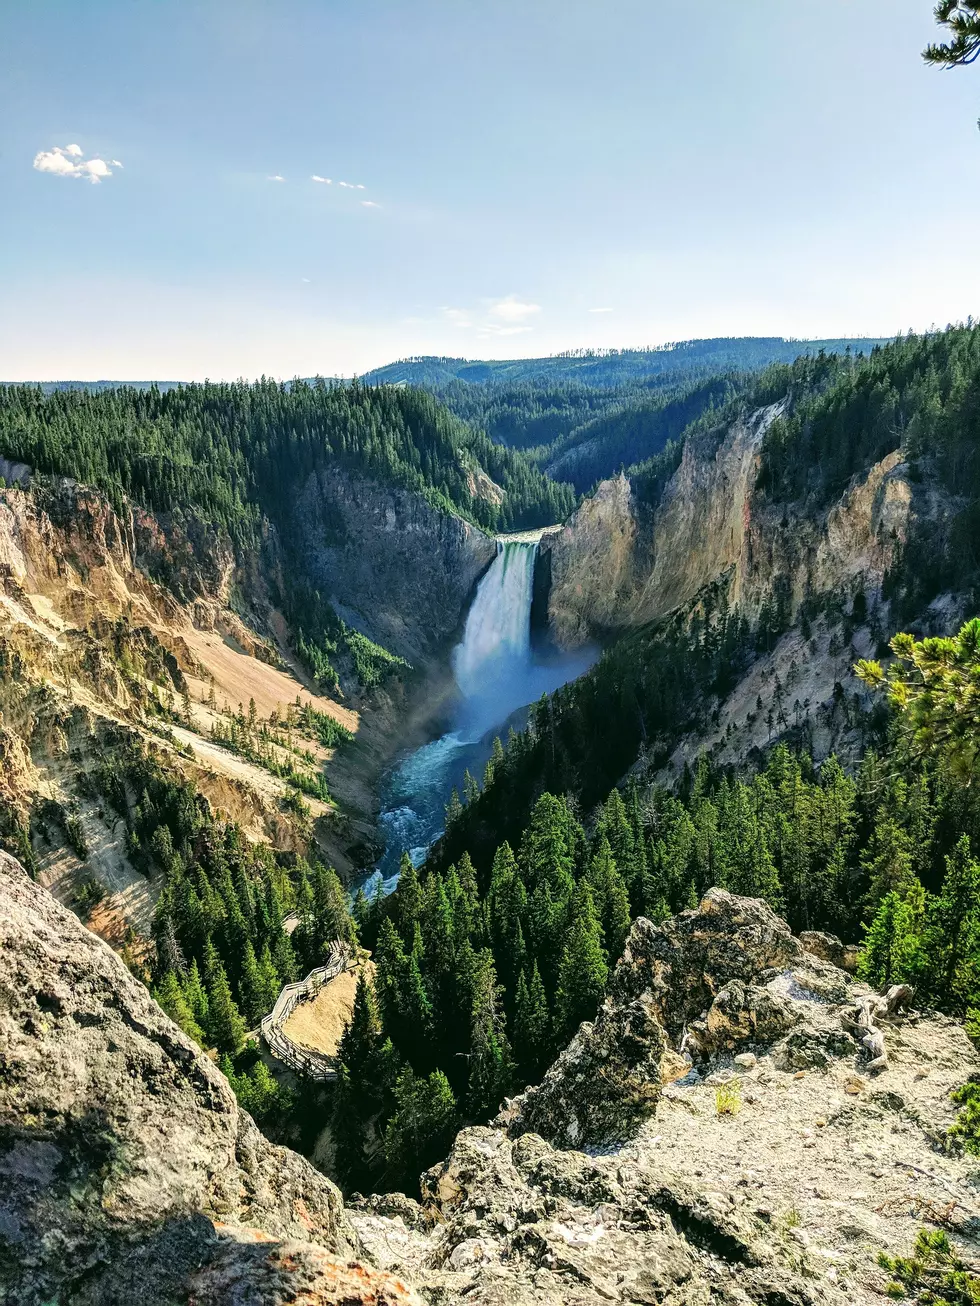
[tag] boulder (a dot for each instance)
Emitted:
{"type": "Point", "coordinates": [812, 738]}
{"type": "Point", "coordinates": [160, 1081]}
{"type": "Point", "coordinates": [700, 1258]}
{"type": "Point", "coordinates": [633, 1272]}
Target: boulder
{"type": "Point", "coordinates": [126, 1164]}
{"type": "Point", "coordinates": [604, 1084]}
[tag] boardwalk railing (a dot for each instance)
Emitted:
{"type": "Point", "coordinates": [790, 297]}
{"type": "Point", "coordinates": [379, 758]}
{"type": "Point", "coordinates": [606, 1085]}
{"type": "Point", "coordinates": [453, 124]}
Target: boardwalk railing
{"type": "Point", "coordinates": [305, 1061]}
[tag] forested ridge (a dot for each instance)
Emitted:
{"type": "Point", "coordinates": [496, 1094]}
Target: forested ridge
{"type": "Point", "coordinates": [682, 360]}
{"type": "Point", "coordinates": [232, 452]}
{"type": "Point", "coordinates": [585, 426]}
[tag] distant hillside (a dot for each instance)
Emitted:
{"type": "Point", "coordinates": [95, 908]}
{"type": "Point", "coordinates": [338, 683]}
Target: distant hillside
{"type": "Point", "coordinates": [616, 367]}
{"type": "Point", "coordinates": [49, 387]}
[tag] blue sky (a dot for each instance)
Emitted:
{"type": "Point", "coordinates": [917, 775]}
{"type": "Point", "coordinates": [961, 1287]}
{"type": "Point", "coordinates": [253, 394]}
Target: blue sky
{"type": "Point", "coordinates": [537, 175]}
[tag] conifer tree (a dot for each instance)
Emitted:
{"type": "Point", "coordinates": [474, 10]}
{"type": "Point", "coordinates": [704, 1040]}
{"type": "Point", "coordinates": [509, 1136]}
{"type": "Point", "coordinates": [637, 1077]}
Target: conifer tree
{"type": "Point", "coordinates": [196, 995]}
{"type": "Point", "coordinates": [610, 898]}
{"type": "Point", "coordinates": [490, 1062]}
{"type": "Point", "coordinates": [892, 951]}
{"type": "Point", "coordinates": [362, 1033]}
{"type": "Point", "coordinates": [406, 901]}
{"type": "Point", "coordinates": [391, 974]}
{"type": "Point", "coordinates": [952, 941]}
{"type": "Point", "coordinates": [532, 1043]}
{"type": "Point", "coordinates": [284, 959]}
{"type": "Point", "coordinates": [226, 1028]}
{"type": "Point", "coordinates": [175, 1004]}
{"type": "Point", "coordinates": [270, 979]}
{"type": "Point", "coordinates": [583, 972]}
{"type": "Point", "coordinates": [251, 987]}
{"type": "Point", "coordinates": [421, 1128]}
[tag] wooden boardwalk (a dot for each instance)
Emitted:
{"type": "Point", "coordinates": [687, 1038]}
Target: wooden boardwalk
{"type": "Point", "coordinates": [305, 1061]}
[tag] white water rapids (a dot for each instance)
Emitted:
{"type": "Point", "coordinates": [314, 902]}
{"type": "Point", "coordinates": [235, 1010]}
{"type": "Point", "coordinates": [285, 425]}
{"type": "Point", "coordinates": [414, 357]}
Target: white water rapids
{"type": "Point", "coordinates": [497, 673]}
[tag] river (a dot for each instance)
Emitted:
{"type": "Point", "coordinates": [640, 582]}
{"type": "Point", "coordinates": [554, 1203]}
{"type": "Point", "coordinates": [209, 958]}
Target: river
{"type": "Point", "coordinates": [498, 674]}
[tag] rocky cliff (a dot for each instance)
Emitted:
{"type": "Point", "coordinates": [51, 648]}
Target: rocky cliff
{"type": "Point", "coordinates": [619, 563]}
{"type": "Point", "coordinates": [112, 617]}
{"type": "Point", "coordinates": [754, 1133]}
{"type": "Point", "coordinates": [401, 570]}
{"type": "Point", "coordinates": [713, 540]}
{"type": "Point", "coordinates": [127, 1171]}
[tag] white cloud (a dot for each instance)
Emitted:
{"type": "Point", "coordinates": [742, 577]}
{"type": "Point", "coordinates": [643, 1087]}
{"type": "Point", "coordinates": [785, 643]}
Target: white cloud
{"type": "Point", "coordinates": [96, 169]}
{"type": "Point", "coordinates": [324, 181]}
{"type": "Point", "coordinates": [68, 161]}
{"type": "Point", "coordinates": [458, 316]}
{"type": "Point", "coordinates": [275, 177]}
{"type": "Point", "coordinates": [600, 310]}
{"type": "Point", "coordinates": [370, 204]}
{"type": "Point", "coordinates": [352, 185]}
{"type": "Point", "coordinates": [493, 329]}
{"type": "Point", "coordinates": [513, 309]}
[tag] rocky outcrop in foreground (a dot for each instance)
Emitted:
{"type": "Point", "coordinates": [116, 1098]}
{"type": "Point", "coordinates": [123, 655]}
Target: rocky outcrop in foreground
{"type": "Point", "coordinates": [745, 1143]}
{"type": "Point", "coordinates": [128, 1174]}
{"type": "Point", "coordinates": [767, 1166]}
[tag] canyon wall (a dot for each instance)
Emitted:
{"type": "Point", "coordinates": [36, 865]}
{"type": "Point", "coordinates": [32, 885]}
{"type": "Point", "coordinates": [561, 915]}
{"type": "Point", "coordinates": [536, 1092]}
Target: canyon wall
{"type": "Point", "coordinates": [619, 563]}
{"type": "Point", "coordinates": [395, 567]}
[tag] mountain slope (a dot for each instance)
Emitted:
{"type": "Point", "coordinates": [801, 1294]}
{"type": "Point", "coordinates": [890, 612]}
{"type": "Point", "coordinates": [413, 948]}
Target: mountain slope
{"type": "Point", "coordinates": [128, 1172]}
{"type": "Point", "coordinates": [615, 366]}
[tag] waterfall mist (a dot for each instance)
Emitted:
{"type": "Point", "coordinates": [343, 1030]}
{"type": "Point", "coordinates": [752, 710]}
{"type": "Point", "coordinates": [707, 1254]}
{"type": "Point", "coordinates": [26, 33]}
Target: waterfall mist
{"type": "Point", "coordinates": [497, 674]}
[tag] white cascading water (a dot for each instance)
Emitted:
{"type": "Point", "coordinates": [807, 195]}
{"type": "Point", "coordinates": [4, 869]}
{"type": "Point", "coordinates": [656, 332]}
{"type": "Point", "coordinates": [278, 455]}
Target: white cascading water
{"type": "Point", "coordinates": [497, 674]}
{"type": "Point", "coordinates": [491, 663]}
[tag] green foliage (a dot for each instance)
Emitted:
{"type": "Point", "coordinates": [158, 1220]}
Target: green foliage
{"type": "Point", "coordinates": [728, 1098]}
{"type": "Point", "coordinates": [257, 1090]}
{"type": "Point", "coordinates": [965, 1131]}
{"type": "Point", "coordinates": [230, 453]}
{"type": "Point", "coordinates": [421, 1127]}
{"type": "Point", "coordinates": [582, 971]}
{"type": "Point", "coordinates": [173, 1001]}
{"type": "Point", "coordinates": [933, 1274]}
{"type": "Point", "coordinates": [962, 18]}
{"type": "Point", "coordinates": [677, 361]}
{"type": "Point", "coordinates": [935, 685]}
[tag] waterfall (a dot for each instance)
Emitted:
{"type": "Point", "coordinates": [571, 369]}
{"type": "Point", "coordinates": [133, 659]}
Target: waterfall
{"type": "Point", "coordinates": [497, 675]}
{"type": "Point", "coordinates": [496, 647]}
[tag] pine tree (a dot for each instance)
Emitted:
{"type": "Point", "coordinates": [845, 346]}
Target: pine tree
{"type": "Point", "coordinates": [490, 1063]}
{"type": "Point", "coordinates": [252, 987]}
{"type": "Point", "coordinates": [952, 939]}
{"type": "Point", "coordinates": [611, 899]}
{"type": "Point", "coordinates": [284, 959]}
{"type": "Point", "coordinates": [582, 972]}
{"type": "Point", "coordinates": [892, 951]}
{"type": "Point", "coordinates": [226, 1028]}
{"type": "Point", "coordinates": [175, 1004]}
{"type": "Point", "coordinates": [421, 1128]}
{"type": "Point", "coordinates": [271, 987]}
{"type": "Point", "coordinates": [532, 1044]}
{"type": "Point", "coordinates": [196, 995]}
{"type": "Point", "coordinates": [362, 1033]}
{"type": "Point", "coordinates": [391, 974]}
{"type": "Point", "coordinates": [406, 901]}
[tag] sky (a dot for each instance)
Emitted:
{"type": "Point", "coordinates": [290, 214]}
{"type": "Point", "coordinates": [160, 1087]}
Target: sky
{"type": "Point", "coordinates": [234, 188]}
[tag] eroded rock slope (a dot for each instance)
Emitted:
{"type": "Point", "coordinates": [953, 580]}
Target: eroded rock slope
{"type": "Point", "coordinates": [128, 1174]}
{"type": "Point", "coordinates": [717, 1137]}
{"type": "Point", "coordinates": [766, 1166]}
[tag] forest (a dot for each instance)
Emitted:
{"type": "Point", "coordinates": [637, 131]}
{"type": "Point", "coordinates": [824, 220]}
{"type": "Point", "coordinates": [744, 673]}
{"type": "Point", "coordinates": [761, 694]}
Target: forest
{"type": "Point", "coordinates": [233, 452]}
{"type": "Point", "coordinates": [682, 360]}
